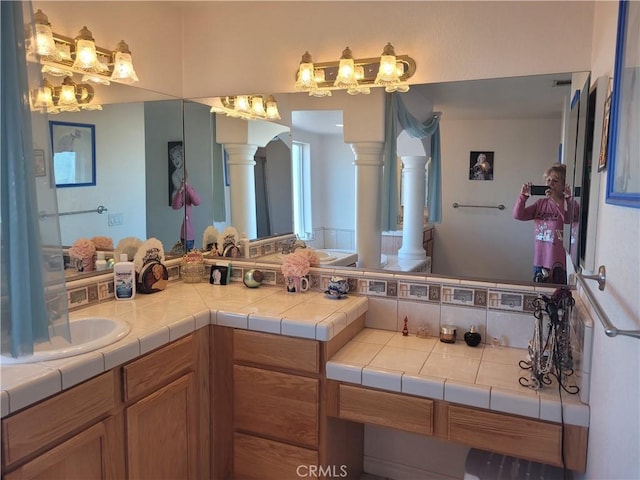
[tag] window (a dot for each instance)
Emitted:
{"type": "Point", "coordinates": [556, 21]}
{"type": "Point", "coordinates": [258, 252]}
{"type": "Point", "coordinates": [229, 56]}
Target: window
{"type": "Point", "coordinates": [301, 172]}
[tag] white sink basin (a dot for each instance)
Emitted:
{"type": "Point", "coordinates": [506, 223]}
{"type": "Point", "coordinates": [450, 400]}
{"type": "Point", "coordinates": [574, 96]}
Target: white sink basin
{"type": "Point", "coordinates": [322, 256]}
{"type": "Point", "coordinates": [87, 334]}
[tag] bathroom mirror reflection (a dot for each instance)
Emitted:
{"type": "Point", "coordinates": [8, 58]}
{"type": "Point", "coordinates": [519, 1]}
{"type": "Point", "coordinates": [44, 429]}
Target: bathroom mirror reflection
{"type": "Point", "coordinates": [519, 119]}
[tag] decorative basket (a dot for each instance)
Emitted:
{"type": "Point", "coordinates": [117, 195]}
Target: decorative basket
{"type": "Point", "coordinates": [192, 267]}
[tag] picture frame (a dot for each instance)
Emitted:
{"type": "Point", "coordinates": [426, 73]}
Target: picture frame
{"type": "Point", "coordinates": [40, 164]}
{"type": "Point", "coordinates": [606, 121]}
{"type": "Point", "coordinates": [219, 275]}
{"type": "Point", "coordinates": [175, 163]}
{"type": "Point", "coordinates": [623, 179]}
{"type": "Point", "coordinates": [74, 154]}
{"type": "Point", "coordinates": [481, 165]}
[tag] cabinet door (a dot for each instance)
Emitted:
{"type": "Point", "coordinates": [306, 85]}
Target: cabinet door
{"type": "Point", "coordinates": [85, 456]}
{"type": "Point", "coordinates": [276, 405]}
{"type": "Point", "coordinates": [161, 433]}
{"type": "Point", "coordinates": [261, 459]}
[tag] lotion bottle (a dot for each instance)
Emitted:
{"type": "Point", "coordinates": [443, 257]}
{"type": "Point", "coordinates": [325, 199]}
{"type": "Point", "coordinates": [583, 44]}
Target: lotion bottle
{"type": "Point", "coordinates": [124, 278]}
{"type": "Point", "coordinates": [101, 262]}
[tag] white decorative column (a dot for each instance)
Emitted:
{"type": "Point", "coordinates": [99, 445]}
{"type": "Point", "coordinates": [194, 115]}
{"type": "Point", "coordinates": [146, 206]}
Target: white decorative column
{"type": "Point", "coordinates": [368, 163]}
{"type": "Point", "coordinates": [242, 188]}
{"type": "Point", "coordinates": [413, 186]}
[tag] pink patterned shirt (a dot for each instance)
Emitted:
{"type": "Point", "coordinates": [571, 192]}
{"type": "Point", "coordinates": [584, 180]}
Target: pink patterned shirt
{"type": "Point", "coordinates": [550, 219]}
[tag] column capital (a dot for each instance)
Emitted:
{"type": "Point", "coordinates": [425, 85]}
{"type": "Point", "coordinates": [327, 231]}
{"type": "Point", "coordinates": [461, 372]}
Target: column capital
{"type": "Point", "coordinates": [240, 153]}
{"type": "Point", "coordinates": [410, 162]}
{"type": "Point", "coordinates": [368, 153]}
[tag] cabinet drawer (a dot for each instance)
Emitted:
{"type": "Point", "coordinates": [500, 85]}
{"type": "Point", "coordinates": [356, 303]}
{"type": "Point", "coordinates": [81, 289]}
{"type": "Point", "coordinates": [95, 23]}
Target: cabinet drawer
{"type": "Point", "coordinates": [157, 368]}
{"type": "Point", "coordinates": [276, 351]}
{"type": "Point", "coordinates": [393, 410]}
{"type": "Point", "coordinates": [262, 459]}
{"type": "Point", "coordinates": [276, 404]}
{"type": "Point", "coordinates": [41, 425]}
{"type": "Point", "coordinates": [85, 455]}
{"type": "Point", "coordinates": [520, 437]}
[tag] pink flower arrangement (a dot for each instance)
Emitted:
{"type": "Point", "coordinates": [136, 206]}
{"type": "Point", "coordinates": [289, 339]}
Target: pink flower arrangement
{"type": "Point", "coordinates": [102, 243]}
{"type": "Point", "coordinates": [310, 254]}
{"type": "Point", "coordinates": [83, 250]}
{"type": "Point", "coordinates": [295, 265]}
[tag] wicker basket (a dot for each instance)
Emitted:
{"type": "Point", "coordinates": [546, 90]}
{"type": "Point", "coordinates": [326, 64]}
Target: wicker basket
{"type": "Point", "coordinates": [191, 272]}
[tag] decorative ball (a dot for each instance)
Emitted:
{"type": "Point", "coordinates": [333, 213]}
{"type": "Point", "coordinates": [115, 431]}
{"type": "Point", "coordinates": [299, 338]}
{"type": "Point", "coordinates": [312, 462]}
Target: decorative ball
{"type": "Point", "coordinates": [253, 278]}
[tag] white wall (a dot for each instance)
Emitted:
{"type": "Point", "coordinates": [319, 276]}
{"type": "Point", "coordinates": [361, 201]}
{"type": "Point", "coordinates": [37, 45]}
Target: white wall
{"type": "Point", "coordinates": [448, 40]}
{"type": "Point", "coordinates": [120, 176]}
{"type": "Point", "coordinates": [523, 150]}
{"type": "Point", "coordinates": [614, 432]}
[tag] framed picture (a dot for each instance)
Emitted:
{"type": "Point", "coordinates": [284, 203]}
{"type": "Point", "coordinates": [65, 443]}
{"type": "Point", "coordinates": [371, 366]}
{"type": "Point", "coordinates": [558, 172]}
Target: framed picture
{"type": "Point", "coordinates": [40, 163]}
{"type": "Point", "coordinates": [219, 275]}
{"type": "Point", "coordinates": [604, 143]}
{"type": "Point", "coordinates": [176, 167]}
{"type": "Point", "coordinates": [74, 154]}
{"type": "Point", "coordinates": [623, 179]}
{"type": "Point", "coordinates": [481, 166]}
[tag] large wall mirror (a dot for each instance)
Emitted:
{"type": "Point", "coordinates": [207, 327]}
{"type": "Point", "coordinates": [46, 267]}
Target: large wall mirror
{"type": "Point", "coordinates": [129, 142]}
{"type": "Point", "coordinates": [525, 122]}
{"type": "Point", "coordinates": [521, 120]}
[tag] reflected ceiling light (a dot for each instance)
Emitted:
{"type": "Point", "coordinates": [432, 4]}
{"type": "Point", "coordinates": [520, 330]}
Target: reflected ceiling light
{"type": "Point", "coordinates": [86, 58]}
{"type": "Point", "coordinates": [247, 107]}
{"type": "Point", "coordinates": [45, 46]}
{"type": "Point", "coordinates": [390, 71]}
{"type": "Point", "coordinates": [63, 56]}
{"type": "Point", "coordinates": [68, 97]}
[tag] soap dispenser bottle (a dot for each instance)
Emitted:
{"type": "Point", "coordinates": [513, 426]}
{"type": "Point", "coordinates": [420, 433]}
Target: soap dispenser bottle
{"type": "Point", "coordinates": [472, 337]}
{"type": "Point", "coordinates": [124, 278]}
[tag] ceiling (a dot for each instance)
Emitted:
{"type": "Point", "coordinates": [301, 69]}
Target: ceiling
{"type": "Point", "coordinates": [536, 96]}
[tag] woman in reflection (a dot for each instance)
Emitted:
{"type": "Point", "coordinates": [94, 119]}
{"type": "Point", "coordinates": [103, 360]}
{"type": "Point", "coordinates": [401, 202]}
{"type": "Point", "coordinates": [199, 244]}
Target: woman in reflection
{"type": "Point", "coordinates": [550, 214]}
{"type": "Point", "coordinates": [186, 196]}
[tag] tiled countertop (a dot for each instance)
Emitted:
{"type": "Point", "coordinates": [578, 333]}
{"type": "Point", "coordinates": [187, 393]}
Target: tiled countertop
{"type": "Point", "coordinates": [483, 376]}
{"type": "Point", "coordinates": [165, 316]}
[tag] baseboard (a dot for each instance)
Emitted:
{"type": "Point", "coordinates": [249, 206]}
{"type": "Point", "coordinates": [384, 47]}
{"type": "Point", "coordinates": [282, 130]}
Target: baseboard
{"type": "Point", "coordinates": [397, 471]}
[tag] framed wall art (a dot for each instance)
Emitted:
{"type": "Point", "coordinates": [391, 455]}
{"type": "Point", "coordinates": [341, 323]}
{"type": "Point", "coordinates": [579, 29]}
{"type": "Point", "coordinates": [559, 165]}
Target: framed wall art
{"type": "Point", "coordinates": [623, 158]}
{"type": "Point", "coordinates": [176, 167]}
{"type": "Point", "coordinates": [74, 154]}
{"type": "Point", "coordinates": [481, 166]}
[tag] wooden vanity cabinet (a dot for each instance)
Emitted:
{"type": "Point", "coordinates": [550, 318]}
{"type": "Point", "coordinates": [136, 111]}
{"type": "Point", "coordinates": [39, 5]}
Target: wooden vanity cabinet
{"type": "Point", "coordinates": [164, 410]}
{"type": "Point", "coordinates": [522, 437]}
{"type": "Point", "coordinates": [146, 419]}
{"type": "Point", "coordinates": [76, 434]}
{"type": "Point", "coordinates": [269, 407]}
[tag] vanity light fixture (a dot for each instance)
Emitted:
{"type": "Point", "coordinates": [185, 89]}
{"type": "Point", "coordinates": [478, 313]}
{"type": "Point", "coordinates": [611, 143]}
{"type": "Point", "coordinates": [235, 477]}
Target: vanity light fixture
{"type": "Point", "coordinates": [67, 97]}
{"type": "Point", "coordinates": [356, 76]}
{"type": "Point", "coordinates": [64, 56]}
{"type": "Point", "coordinates": [247, 107]}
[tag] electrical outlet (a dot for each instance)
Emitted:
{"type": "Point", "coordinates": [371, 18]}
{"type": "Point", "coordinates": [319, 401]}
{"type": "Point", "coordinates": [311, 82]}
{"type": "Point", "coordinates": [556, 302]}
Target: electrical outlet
{"type": "Point", "coordinates": [115, 219]}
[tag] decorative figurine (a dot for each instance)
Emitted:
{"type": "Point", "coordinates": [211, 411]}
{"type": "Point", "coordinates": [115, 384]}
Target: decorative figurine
{"type": "Point", "coordinates": [405, 330]}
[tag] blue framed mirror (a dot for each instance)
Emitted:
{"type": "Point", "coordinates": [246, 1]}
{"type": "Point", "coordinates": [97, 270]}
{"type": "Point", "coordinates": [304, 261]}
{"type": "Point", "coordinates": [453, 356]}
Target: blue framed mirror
{"type": "Point", "coordinates": [623, 180]}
